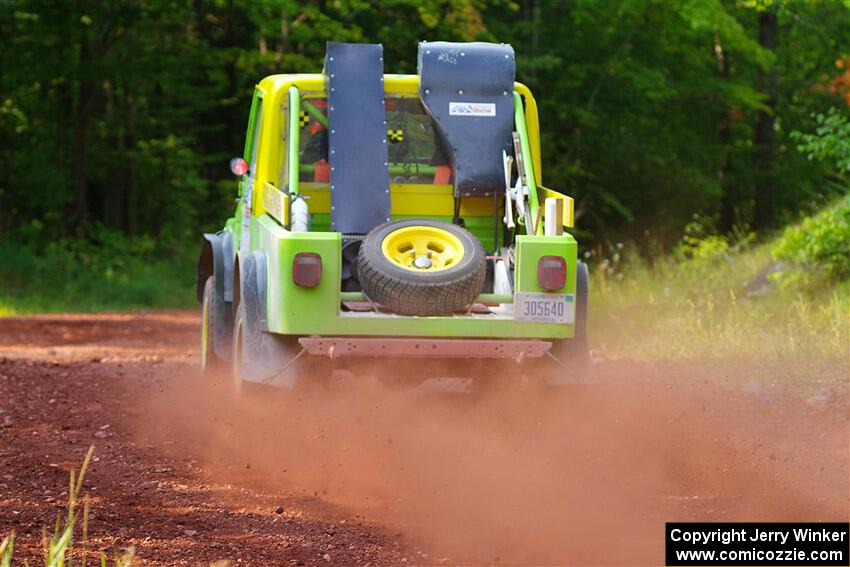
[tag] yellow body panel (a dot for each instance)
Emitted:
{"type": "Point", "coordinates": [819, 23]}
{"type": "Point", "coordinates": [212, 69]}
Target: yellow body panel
{"type": "Point", "coordinates": [426, 200]}
{"type": "Point", "coordinates": [407, 199]}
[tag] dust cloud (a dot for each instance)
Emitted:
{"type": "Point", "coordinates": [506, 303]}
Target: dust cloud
{"type": "Point", "coordinates": [511, 473]}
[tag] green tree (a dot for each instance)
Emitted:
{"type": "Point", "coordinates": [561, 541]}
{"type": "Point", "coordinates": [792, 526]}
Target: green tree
{"type": "Point", "coordinates": [122, 115]}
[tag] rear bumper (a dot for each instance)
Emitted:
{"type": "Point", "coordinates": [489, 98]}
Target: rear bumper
{"type": "Point", "coordinates": [336, 347]}
{"type": "Point", "coordinates": [321, 310]}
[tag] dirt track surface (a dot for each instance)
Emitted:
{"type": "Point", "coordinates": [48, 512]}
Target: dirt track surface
{"type": "Point", "coordinates": [373, 475]}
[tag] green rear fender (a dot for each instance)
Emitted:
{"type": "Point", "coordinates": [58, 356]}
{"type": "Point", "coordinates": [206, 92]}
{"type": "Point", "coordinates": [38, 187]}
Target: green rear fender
{"type": "Point", "coordinates": [529, 249]}
{"type": "Point", "coordinates": [292, 309]}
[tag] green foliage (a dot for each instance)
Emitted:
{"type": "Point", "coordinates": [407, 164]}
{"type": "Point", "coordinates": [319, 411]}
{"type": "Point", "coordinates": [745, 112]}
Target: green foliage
{"type": "Point", "coordinates": [703, 256]}
{"type": "Point", "coordinates": [105, 271]}
{"type": "Point", "coordinates": [820, 243]}
{"type": "Point", "coordinates": [699, 249]}
{"type": "Point", "coordinates": [649, 108]}
{"type": "Point", "coordinates": [830, 141]}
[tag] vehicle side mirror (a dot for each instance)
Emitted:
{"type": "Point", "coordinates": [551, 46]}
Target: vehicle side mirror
{"type": "Point", "coordinates": [238, 166]}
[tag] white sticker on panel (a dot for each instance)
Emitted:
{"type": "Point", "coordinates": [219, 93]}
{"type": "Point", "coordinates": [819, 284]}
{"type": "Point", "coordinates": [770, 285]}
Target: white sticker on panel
{"type": "Point", "coordinates": [472, 109]}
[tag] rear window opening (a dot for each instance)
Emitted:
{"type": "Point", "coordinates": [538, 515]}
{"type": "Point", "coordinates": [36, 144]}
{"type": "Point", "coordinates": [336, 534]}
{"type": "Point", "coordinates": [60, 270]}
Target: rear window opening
{"type": "Point", "coordinates": [414, 151]}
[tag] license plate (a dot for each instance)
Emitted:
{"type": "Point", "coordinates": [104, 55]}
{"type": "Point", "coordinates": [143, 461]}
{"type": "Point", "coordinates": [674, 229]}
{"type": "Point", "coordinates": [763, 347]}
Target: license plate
{"type": "Point", "coordinates": [545, 307]}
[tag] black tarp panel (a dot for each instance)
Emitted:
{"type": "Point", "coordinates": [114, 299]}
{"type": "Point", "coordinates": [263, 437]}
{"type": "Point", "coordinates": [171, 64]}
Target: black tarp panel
{"type": "Point", "coordinates": [467, 88]}
{"type": "Point", "coordinates": [357, 140]}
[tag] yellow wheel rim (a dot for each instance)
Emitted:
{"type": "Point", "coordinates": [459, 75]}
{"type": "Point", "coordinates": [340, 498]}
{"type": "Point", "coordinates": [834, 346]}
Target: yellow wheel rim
{"type": "Point", "coordinates": [422, 248]}
{"type": "Point", "coordinates": [205, 331]}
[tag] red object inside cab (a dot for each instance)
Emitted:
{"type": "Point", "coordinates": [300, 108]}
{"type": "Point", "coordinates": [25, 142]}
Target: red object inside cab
{"type": "Point", "coordinates": [322, 172]}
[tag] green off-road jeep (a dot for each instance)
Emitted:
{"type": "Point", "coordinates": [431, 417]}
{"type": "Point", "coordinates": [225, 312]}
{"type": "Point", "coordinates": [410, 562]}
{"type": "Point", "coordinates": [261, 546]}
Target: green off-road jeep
{"type": "Point", "coordinates": [394, 217]}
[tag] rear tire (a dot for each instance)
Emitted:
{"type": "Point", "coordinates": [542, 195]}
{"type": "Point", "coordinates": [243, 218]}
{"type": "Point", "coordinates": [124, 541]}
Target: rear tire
{"type": "Point", "coordinates": [263, 358]}
{"type": "Point", "coordinates": [573, 364]}
{"type": "Point", "coordinates": [213, 323]}
{"type": "Point", "coordinates": [259, 356]}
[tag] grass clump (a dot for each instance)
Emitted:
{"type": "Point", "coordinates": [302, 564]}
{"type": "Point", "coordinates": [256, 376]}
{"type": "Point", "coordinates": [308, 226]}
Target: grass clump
{"type": "Point", "coordinates": [58, 546]}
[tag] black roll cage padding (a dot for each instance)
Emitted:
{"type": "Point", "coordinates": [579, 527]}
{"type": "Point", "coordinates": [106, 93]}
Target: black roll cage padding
{"type": "Point", "coordinates": [467, 89]}
{"type": "Point", "coordinates": [357, 138]}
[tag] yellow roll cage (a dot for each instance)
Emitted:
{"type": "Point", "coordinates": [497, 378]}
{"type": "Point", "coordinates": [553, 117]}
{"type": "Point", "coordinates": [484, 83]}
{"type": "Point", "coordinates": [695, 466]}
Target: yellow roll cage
{"type": "Point", "coordinates": [406, 199]}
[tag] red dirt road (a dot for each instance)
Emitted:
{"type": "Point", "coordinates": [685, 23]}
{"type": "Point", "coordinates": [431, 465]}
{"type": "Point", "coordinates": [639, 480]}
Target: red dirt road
{"type": "Point", "coordinates": [70, 381]}
{"type": "Point", "coordinates": [374, 475]}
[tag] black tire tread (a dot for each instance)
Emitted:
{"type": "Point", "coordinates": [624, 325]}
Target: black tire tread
{"type": "Point", "coordinates": [265, 354]}
{"type": "Point", "coordinates": [217, 325]}
{"type": "Point", "coordinates": [573, 354]}
{"type": "Point", "coordinates": [410, 295]}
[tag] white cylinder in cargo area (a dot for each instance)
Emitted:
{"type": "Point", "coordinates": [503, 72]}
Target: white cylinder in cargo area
{"type": "Point", "coordinates": [300, 215]}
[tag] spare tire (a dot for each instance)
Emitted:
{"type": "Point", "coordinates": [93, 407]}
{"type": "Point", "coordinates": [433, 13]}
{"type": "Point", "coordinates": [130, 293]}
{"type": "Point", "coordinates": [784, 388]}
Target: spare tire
{"type": "Point", "coordinates": [421, 267]}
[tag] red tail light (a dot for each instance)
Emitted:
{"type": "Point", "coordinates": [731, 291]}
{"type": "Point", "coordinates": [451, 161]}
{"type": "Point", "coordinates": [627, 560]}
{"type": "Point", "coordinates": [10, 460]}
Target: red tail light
{"type": "Point", "coordinates": [307, 269]}
{"type": "Point", "coordinates": [551, 273]}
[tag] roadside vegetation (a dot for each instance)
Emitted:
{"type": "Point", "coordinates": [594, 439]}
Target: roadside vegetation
{"type": "Point", "coordinates": [778, 306]}
{"type": "Point", "coordinates": [106, 271]}
{"type": "Point", "coordinates": [723, 299]}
